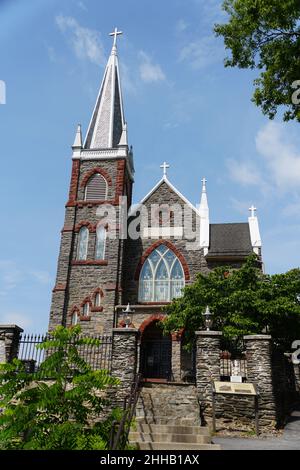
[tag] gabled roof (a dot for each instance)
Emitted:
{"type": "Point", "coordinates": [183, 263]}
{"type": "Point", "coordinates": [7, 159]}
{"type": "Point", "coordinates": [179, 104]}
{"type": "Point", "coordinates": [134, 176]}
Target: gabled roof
{"type": "Point", "coordinates": [230, 240]}
{"type": "Point", "coordinates": [165, 180]}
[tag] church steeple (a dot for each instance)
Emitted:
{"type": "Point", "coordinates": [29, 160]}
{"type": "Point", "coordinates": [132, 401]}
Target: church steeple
{"type": "Point", "coordinates": [108, 128]}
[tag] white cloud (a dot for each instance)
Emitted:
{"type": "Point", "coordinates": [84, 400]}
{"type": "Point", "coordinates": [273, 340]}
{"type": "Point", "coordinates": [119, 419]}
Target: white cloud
{"type": "Point", "coordinates": [85, 42]}
{"type": "Point", "coordinates": [42, 277]}
{"type": "Point", "coordinates": [10, 276]}
{"type": "Point", "coordinates": [244, 173]}
{"type": "Point", "coordinates": [202, 52]}
{"type": "Point", "coordinates": [280, 155]}
{"type": "Point", "coordinates": [181, 25]}
{"type": "Point", "coordinates": [242, 207]}
{"type": "Point", "coordinates": [292, 209]}
{"type": "Point", "coordinates": [16, 318]}
{"type": "Point", "coordinates": [150, 72]}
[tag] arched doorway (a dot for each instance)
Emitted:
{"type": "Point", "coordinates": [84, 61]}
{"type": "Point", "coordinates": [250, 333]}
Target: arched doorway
{"type": "Point", "coordinates": [156, 353]}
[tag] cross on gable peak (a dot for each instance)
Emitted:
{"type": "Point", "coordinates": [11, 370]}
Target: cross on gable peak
{"type": "Point", "coordinates": [252, 209]}
{"type": "Point", "coordinates": [165, 167]}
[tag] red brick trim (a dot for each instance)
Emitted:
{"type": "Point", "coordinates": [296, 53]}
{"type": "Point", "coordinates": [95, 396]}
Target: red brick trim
{"type": "Point", "coordinates": [82, 204]}
{"type": "Point", "coordinates": [60, 287]}
{"type": "Point", "coordinates": [173, 248]}
{"type": "Point", "coordinates": [74, 183]}
{"type": "Point", "coordinates": [85, 223]}
{"type": "Point", "coordinates": [73, 310]}
{"type": "Point", "coordinates": [94, 308]}
{"type": "Point", "coordinates": [120, 180]}
{"type": "Point", "coordinates": [66, 229]}
{"type": "Point", "coordinates": [92, 262]}
{"type": "Point", "coordinates": [152, 319]}
{"type": "Point", "coordinates": [95, 171]}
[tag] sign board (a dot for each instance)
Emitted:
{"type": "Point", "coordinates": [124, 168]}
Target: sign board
{"type": "Point", "coordinates": [235, 388]}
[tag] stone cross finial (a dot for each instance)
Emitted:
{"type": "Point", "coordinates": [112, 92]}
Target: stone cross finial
{"type": "Point", "coordinates": [252, 209]}
{"type": "Point", "coordinates": [116, 33]}
{"type": "Point", "coordinates": [165, 167]}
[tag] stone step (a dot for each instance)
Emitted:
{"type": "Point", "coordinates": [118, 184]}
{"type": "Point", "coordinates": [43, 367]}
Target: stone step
{"type": "Point", "coordinates": [173, 446]}
{"type": "Point", "coordinates": [171, 429]}
{"type": "Point", "coordinates": [165, 420]}
{"type": "Point", "coordinates": [169, 437]}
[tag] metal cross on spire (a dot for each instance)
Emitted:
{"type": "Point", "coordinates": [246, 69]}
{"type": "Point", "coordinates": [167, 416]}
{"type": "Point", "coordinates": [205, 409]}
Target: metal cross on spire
{"type": "Point", "coordinates": [116, 33]}
{"type": "Point", "coordinates": [204, 181]}
{"type": "Point", "coordinates": [252, 209]}
{"type": "Point", "coordinates": [165, 167]}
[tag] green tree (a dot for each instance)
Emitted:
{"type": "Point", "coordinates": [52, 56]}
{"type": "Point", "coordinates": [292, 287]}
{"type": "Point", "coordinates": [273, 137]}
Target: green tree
{"type": "Point", "coordinates": [243, 301]}
{"type": "Point", "coordinates": [54, 408]}
{"type": "Point", "coordinates": [265, 34]}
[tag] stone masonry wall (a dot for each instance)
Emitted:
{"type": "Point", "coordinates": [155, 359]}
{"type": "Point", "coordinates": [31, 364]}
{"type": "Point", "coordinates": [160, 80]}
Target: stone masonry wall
{"type": "Point", "coordinates": [76, 281]}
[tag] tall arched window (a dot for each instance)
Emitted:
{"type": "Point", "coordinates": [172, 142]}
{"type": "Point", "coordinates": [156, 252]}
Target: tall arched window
{"type": "Point", "coordinates": [96, 188]}
{"type": "Point", "coordinates": [74, 318]}
{"type": "Point", "coordinates": [162, 277]}
{"type": "Point", "coordinates": [100, 242]}
{"type": "Point", "coordinates": [83, 240]}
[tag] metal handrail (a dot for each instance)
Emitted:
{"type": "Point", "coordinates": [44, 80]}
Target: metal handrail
{"type": "Point", "coordinates": [130, 403]}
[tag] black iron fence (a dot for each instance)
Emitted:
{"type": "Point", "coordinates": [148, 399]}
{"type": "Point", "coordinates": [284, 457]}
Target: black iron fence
{"type": "Point", "coordinates": [97, 356]}
{"type": "Point", "coordinates": [232, 367]}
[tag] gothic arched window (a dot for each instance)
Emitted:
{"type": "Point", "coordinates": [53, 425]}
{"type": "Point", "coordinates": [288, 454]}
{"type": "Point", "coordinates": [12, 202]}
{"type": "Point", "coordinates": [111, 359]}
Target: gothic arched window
{"type": "Point", "coordinates": [100, 242]}
{"type": "Point", "coordinates": [162, 277]}
{"type": "Point", "coordinates": [96, 188]}
{"type": "Point", "coordinates": [83, 240]}
{"type": "Point", "coordinates": [74, 318]}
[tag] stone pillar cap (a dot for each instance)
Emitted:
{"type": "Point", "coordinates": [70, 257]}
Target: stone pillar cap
{"type": "Point", "coordinates": [208, 333]}
{"type": "Point", "coordinates": [257, 337]}
{"type": "Point", "coordinates": [122, 331]}
{"type": "Point", "coordinates": [11, 327]}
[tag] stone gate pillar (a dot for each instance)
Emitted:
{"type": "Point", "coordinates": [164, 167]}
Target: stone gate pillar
{"type": "Point", "coordinates": [124, 359]}
{"type": "Point", "coordinates": [259, 371]}
{"type": "Point", "coordinates": [9, 342]}
{"type": "Point", "coordinates": [207, 366]}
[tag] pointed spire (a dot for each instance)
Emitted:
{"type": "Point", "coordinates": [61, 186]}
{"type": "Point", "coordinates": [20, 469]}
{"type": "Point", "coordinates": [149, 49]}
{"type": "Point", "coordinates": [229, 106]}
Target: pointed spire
{"type": "Point", "coordinates": [78, 138]}
{"type": "Point", "coordinates": [254, 231]}
{"type": "Point", "coordinates": [124, 136]}
{"type": "Point", "coordinates": [204, 219]}
{"type": "Point", "coordinates": [203, 208]}
{"type": "Point", "coordinates": [107, 127]}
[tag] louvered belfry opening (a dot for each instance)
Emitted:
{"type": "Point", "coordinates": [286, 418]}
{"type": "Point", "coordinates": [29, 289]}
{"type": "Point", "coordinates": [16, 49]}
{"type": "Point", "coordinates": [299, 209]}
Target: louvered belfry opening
{"type": "Point", "coordinates": [96, 188]}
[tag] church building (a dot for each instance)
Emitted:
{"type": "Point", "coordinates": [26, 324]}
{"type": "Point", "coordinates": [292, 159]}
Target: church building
{"type": "Point", "coordinates": [103, 267]}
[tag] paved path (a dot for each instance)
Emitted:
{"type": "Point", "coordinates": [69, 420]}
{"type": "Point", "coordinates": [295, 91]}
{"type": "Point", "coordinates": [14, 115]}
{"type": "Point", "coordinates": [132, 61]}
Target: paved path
{"type": "Point", "coordinates": [290, 440]}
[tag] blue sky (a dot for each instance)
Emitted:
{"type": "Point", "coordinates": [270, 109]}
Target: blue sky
{"type": "Point", "coordinates": [181, 105]}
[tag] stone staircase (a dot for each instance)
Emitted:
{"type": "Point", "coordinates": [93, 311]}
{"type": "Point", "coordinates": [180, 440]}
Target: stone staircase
{"type": "Point", "coordinates": [167, 418]}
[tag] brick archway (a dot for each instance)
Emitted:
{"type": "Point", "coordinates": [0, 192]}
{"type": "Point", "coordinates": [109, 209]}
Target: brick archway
{"type": "Point", "coordinates": [171, 247]}
{"type": "Point", "coordinates": [148, 321]}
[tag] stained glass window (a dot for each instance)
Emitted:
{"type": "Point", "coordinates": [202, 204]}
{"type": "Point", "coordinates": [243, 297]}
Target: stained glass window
{"type": "Point", "coordinates": [100, 242]}
{"type": "Point", "coordinates": [162, 277]}
{"type": "Point", "coordinates": [83, 240]}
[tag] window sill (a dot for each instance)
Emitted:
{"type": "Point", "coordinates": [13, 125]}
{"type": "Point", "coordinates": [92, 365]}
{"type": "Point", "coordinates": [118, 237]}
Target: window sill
{"type": "Point", "coordinates": [97, 309]}
{"type": "Point", "coordinates": [102, 262]}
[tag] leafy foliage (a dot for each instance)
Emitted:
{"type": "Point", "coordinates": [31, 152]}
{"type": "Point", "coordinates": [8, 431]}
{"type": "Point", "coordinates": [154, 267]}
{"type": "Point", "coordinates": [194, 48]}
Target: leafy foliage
{"type": "Point", "coordinates": [265, 34]}
{"type": "Point", "coordinates": [243, 301]}
{"type": "Point", "coordinates": [56, 413]}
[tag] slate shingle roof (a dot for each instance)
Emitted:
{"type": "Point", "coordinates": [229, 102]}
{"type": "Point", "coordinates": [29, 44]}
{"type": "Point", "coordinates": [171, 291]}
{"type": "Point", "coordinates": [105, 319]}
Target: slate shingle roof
{"type": "Point", "coordinates": [230, 240]}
